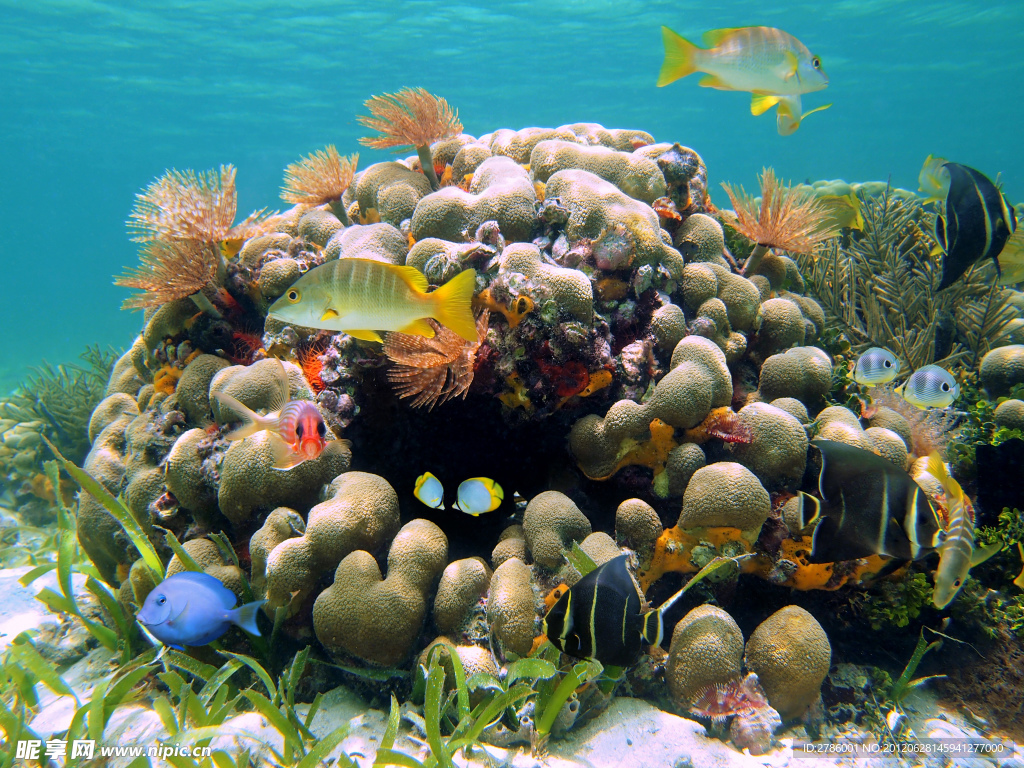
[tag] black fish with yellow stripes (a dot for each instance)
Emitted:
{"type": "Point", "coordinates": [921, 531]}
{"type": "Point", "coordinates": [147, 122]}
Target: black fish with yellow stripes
{"type": "Point", "coordinates": [977, 223]}
{"type": "Point", "coordinates": [600, 617]}
{"type": "Point", "coordinates": [869, 506]}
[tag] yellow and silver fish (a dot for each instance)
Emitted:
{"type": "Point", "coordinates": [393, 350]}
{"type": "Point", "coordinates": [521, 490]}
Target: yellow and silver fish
{"type": "Point", "coordinates": [429, 490]}
{"type": "Point", "coordinates": [478, 495]}
{"type": "Point", "coordinates": [977, 222]}
{"type": "Point", "coordinates": [1011, 259]}
{"type": "Point", "coordinates": [844, 211]}
{"type": "Point", "coordinates": [768, 63]}
{"type": "Point", "coordinates": [930, 387]}
{"type": "Point", "coordinates": [933, 180]}
{"type": "Point", "coordinates": [957, 554]}
{"type": "Point", "coordinates": [363, 296]}
{"type": "Point", "coordinates": [876, 366]}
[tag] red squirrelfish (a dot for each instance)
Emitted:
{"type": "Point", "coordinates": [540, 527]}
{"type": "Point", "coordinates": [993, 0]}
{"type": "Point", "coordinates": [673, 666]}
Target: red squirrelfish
{"type": "Point", "coordinates": [297, 430]}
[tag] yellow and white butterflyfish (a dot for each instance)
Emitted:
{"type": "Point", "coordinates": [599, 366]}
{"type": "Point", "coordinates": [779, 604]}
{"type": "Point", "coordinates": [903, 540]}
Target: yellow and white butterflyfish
{"type": "Point", "coordinates": [429, 490]}
{"type": "Point", "coordinates": [478, 495]}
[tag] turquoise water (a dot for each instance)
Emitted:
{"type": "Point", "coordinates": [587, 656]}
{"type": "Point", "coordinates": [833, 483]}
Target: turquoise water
{"type": "Point", "coordinates": [98, 98]}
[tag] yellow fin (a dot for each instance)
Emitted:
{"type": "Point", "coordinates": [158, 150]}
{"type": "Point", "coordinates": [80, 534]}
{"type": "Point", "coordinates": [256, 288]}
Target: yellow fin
{"type": "Point", "coordinates": [453, 304]}
{"type": "Point", "coordinates": [713, 81]}
{"type": "Point", "coordinates": [363, 335]}
{"type": "Point", "coordinates": [680, 56]}
{"type": "Point", "coordinates": [761, 103]}
{"type": "Point", "coordinates": [413, 277]}
{"type": "Point", "coordinates": [329, 314]}
{"type": "Point", "coordinates": [284, 456]}
{"type": "Point", "coordinates": [418, 328]}
{"type": "Point", "coordinates": [715, 37]}
{"type": "Point", "coordinates": [792, 63]}
{"type": "Point", "coordinates": [981, 554]}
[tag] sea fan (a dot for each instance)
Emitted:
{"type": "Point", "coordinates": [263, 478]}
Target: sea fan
{"type": "Point", "coordinates": [410, 118]}
{"type": "Point", "coordinates": [169, 270]}
{"type": "Point", "coordinates": [185, 205]}
{"type": "Point", "coordinates": [320, 178]}
{"type": "Point", "coordinates": [786, 218]}
{"type": "Point", "coordinates": [433, 370]}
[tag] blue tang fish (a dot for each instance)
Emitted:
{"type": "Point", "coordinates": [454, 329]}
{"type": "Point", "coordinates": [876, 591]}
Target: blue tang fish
{"type": "Point", "coordinates": [478, 495]}
{"type": "Point", "coordinates": [192, 608]}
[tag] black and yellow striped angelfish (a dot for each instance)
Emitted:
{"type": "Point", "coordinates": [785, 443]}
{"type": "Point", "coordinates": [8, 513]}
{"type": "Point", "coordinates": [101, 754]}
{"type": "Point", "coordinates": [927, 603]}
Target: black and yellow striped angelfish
{"type": "Point", "coordinates": [868, 506]}
{"type": "Point", "coordinates": [977, 223]}
{"type": "Point", "coordinates": [601, 617]}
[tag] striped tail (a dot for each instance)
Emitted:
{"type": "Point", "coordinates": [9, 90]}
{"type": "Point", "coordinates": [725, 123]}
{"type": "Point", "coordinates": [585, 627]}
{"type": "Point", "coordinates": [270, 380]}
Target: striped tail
{"type": "Point", "coordinates": [680, 57]}
{"type": "Point", "coordinates": [453, 304]}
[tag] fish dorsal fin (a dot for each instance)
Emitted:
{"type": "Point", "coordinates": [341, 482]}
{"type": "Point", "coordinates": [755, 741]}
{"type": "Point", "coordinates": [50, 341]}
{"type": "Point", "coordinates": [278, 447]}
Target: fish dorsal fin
{"type": "Point", "coordinates": [279, 396]}
{"type": "Point", "coordinates": [715, 37]}
{"type": "Point", "coordinates": [414, 278]}
{"type": "Point", "coordinates": [364, 335]}
{"type": "Point", "coordinates": [212, 583]}
{"type": "Point", "coordinates": [418, 328]}
{"type": "Point", "coordinates": [762, 102]}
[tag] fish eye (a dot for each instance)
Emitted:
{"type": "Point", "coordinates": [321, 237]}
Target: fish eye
{"type": "Point", "coordinates": [161, 600]}
{"type": "Point", "coordinates": [321, 429]}
{"type": "Point", "coordinates": [293, 295]}
{"type": "Point", "coordinates": [816, 62]}
{"type": "Point", "coordinates": [298, 430]}
{"type": "Point", "coordinates": [945, 387]}
{"type": "Point", "coordinates": [887, 363]}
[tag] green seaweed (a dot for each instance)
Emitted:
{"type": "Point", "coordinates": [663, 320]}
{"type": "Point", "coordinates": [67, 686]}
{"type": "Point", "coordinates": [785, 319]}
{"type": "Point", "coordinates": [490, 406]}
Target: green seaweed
{"type": "Point", "coordinates": [904, 683]}
{"type": "Point", "coordinates": [897, 603]}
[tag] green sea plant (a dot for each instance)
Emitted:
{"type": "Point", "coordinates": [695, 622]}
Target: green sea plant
{"type": "Point", "coordinates": [978, 427]}
{"type": "Point", "coordinates": [905, 681]}
{"type": "Point", "coordinates": [881, 290]}
{"type": "Point", "coordinates": [897, 603]}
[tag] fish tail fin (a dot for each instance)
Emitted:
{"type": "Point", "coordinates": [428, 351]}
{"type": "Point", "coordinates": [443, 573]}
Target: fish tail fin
{"type": "Point", "coordinates": [950, 487]}
{"type": "Point", "coordinates": [453, 304]}
{"type": "Point", "coordinates": [252, 422]}
{"type": "Point", "coordinates": [680, 57]}
{"type": "Point", "coordinates": [653, 628]}
{"type": "Point", "coordinates": [245, 616]}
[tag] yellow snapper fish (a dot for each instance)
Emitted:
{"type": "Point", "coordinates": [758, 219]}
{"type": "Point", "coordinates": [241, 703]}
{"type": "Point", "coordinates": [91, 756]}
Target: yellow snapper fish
{"type": "Point", "coordinates": [930, 387]}
{"type": "Point", "coordinates": [957, 554]}
{"type": "Point", "coordinates": [429, 490]}
{"type": "Point", "coordinates": [876, 366]}
{"type": "Point", "coordinates": [772, 65]}
{"type": "Point", "coordinates": [1011, 259]}
{"type": "Point", "coordinates": [363, 296]}
{"type": "Point", "coordinates": [788, 116]}
{"type": "Point", "coordinates": [933, 180]}
{"type": "Point", "coordinates": [478, 495]}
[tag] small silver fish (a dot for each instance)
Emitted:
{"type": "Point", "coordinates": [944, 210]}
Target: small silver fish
{"type": "Point", "coordinates": [930, 387]}
{"type": "Point", "coordinates": [876, 366]}
{"type": "Point", "coordinates": [192, 608]}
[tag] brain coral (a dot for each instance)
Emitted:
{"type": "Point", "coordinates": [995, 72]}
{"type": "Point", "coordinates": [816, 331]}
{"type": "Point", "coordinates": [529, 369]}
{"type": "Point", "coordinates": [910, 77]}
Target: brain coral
{"type": "Point", "coordinates": [706, 648]}
{"type": "Point", "coordinates": [193, 487]}
{"type": "Point", "coordinates": [668, 324]}
{"type": "Point", "coordinates": [638, 527]}
{"type": "Point", "coordinates": [361, 513]}
{"type": "Point", "coordinates": [781, 325]}
{"type": "Point", "coordinates": [570, 289]}
{"type": "Point", "coordinates": [1010, 414]}
{"type": "Point", "coordinates": [193, 391]}
{"type": "Point", "coordinates": [510, 607]}
{"type": "Point", "coordinates": [511, 543]}
{"type": "Point", "coordinates": [698, 381]}
{"type": "Point", "coordinates": [257, 386]}
{"type": "Point", "coordinates": [777, 452]}
{"type": "Point", "coordinates": [390, 191]}
{"type": "Point", "coordinates": [551, 523]}
{"type": "Point", "coordinates": [381, 242]}
{"type": "Point", "coordinates": [804, 373]}
{"type": "Point", "coordinates": [518, 145]}
{"type": "Point", "coordinates": [379, 619]}
{"type": "Point", "coordinates": [208, 557]}
{"type": "Point", "coordinates": [637, 176]}
{"type": "Point", "coordinates": [318, 225]}
{"type": "Point", "coordinates": [100, 535]}
{"type": "Point", "coordinates": [281, 524]}
{"type": "Point", "coordinates": [596, 205]}
{"type": "Point", "coordinates": [700, 239]}
{"type": "Point", "coordinates": [842, 425]}
{"type": "Point", "coordinates": [886, 418]}
{"type": "Point", "coordinates": [790, 654]}
{"type": "Point", "coordinates": [888, 445]}
{"type": "Point", "coordinates": [725, 494]}
{"type": "Point", "coordinates": [462, 584]}
{"type": "Point", "coordinates": [501, 191]}
{"type": "Point", "coordinates": [125, 376]}
{"type": "Point", "coordinates": [600, 547]}
{"type": "Point", "coordinates": [1001, 369]}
